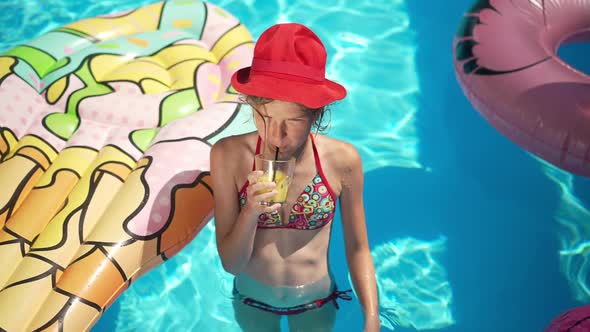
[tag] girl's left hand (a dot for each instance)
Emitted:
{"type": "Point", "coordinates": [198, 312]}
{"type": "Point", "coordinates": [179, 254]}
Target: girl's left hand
{"type": "Point", "coordinates": [372, 324]}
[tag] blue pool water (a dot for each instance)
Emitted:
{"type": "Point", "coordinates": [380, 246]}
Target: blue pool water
{"type": "Point", "coordinates": [468, 231]}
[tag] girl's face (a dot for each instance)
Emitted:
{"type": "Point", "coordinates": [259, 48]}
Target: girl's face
{"type": "Point", "coordinates": [282, 124]}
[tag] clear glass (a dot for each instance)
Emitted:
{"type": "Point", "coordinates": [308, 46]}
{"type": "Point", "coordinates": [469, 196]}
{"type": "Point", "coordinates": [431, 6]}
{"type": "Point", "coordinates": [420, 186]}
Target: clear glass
{"type": "Point", "coordinates": [279, 171]}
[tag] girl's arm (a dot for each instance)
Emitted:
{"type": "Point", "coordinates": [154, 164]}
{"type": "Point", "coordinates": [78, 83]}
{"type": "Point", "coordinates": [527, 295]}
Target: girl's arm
{"type": "Point", "coordinates": [235, 230]}
{"type": "Point", "coordinates": [358, 253]}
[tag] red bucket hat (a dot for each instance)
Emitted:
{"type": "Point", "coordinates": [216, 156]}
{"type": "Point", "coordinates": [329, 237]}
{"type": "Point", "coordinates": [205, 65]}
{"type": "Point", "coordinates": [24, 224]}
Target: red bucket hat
{"type": "Point", "coordinates": [289, 64]}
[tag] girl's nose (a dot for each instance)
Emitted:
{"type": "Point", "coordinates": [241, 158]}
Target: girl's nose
{"type": "Point", "coordinates": [276, 133]}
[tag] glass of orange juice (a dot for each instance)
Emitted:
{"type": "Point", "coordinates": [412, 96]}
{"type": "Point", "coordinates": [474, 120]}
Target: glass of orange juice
{"type": "Point", "coordinates": [279, 171]}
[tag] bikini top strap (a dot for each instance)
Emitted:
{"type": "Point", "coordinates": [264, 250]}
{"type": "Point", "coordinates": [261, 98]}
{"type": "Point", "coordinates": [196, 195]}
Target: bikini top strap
{"type": "Point", "coordinates": [316, 156]}
{"type": "Point", "coordinates": [257, 152]}
{"type": "Point", "coordinates": [318, 166]}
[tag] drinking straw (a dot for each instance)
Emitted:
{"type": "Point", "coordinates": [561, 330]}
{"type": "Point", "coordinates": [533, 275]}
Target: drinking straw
{"type": "Point", "coordinates": [276, 158]}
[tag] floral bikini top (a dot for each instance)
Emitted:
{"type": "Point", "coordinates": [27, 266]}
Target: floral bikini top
{"type": "Point", "coordinates": [314, 208]}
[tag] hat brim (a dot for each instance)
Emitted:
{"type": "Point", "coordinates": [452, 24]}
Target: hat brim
{"type": "Point", "coordinates": [309, 93]}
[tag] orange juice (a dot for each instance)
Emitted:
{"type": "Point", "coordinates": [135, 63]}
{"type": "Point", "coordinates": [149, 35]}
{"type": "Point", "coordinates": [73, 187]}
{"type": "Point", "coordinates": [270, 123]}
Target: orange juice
{"type": "Point", "coordinates": [282, 186]}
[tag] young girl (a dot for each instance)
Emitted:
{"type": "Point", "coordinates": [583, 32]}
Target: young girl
{"type": "Point", "coordinates": [279, 253]}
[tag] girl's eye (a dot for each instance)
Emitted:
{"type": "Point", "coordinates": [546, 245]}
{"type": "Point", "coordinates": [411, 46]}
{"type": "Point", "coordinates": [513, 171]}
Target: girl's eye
{"type": "Point", "coordinates": [294, 120]}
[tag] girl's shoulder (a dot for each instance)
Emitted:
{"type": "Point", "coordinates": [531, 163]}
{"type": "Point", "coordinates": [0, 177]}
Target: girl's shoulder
{"type": "Point", "coordinates": [233, 154]}
{"type": "Point", "coordinates": [340, 156]}
{"type": "Point", "coordinates": [236, 146]}
{"type": "Point", "coordinates": [336, 150]}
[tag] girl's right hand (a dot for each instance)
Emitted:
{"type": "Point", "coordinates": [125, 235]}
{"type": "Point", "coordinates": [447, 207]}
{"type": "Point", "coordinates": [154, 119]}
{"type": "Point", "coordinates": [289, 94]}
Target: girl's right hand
{"type": "Point", "coordinates": [254, 198]}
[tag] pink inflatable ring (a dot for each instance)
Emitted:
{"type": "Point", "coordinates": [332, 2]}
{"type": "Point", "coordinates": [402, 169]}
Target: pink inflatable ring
{"type": "Point", "coordinates": [505, 58]}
